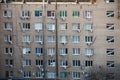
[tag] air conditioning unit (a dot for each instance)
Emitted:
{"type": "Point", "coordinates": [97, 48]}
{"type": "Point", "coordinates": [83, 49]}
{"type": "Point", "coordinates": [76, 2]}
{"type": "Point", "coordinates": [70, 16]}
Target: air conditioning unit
{"type": "Point", "coordinates": [65, 67]}
{"type": "Point", "coordinates": [9, 17]}
{"type": "Point", "coordinates": [20, 70]}
{"type": "Point", "coordinates": [52, 17]}
{"type": "Point", "coordinates": [107, 1]}
{"type": "Point", "coordinates": [27, 17]}
{"type": "Point", "coordinates": [10, 66]}
{"type": "Point", "coordinates": [10, 29]}
{"type": "Point", "coordinates": [38, 66]}
{"type": "Point", "coordinates": [11, 54]}
{"type": "Point", "coordinates": [23, 30]}
{"type": "Point", "coordinates": [40, 42]}
{"type": "Point", "coordinates": [90, 30]}
{"type": "Point", "coordinates": [78, 30]}
{"type": "Point", "coordinates": [28, 42]}
{"type": "Point", "coordinates": [38, 30]}
{"type": "Point", "coordinates": [88, 43]}
{"type": "Point", "coordinates": [53, 30]}
{"type": "Point", "coordinates": [64, 42]}
{"type": "Point", "coordinates": [62, 54]}
{"type": "Point", "coordinates": [33, 73]}
{"type": "Point", "coordinates": [22, 17]}
{"type": "Point", "coordinates": [38, 54]}
{"type": "Point", "coordinates": [63, 18]}
{"type": "Point", "coordinates": [10, 42]}
{"type": "Point", "coordinates": [89, 55]}
{"type": "Point", "coordinates": [51, 54]}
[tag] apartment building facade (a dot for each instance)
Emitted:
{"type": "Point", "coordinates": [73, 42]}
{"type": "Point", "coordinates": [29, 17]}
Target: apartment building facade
{"type": "Point", "coordinates": [58, 40]}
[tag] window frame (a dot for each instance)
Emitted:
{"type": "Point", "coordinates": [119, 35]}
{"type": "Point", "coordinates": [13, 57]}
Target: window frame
{"type": "Point", "coordinates": [75, 39]}
{"type": "Point", "coordinates": [76, 75]}
{"type": "Point", "coordinates": [110, 12]}
{"type": "Point", "coordinates": [110, 52]}
{"type": "Point", "coordinates": [26, 38]}
{"type": "Point", "coordinates": [112, 64]}
{"type": "Point", "coordinates": [26, 62]}
{"type": "Point", "coordinates": [51, 14]}
{"type": "Point", "coordinates": [76, 63]}
{"type": "Point", "coordinates": [76, 51]}
{"type": "Point", "coordinates": [76, 14]}
{"type": "Point", "coordinates": [110, 37]}
{"type": "Point", "coordinates": [63, 51]}
{"type": "Point", "coordinates": [88, 63]}
{"type": "Point", "coordinates": [39, 62]}
{"type": "Point", "coordinates": [63, 74]}
{"type": "Point", "coordinates": [7, 13]}
{"type": "Point", "coordinates": [51, 63]}
{"type": "Point", "coordinates": [63, 13]}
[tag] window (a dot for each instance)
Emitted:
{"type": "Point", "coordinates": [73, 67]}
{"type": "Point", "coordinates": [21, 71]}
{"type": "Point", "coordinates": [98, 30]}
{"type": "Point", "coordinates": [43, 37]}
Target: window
{"type": "Point", "coordinates": [63, 26]}
{"type": "Point", "coordinates": [51, 63]}
{"type": "Point", "coordinates": [88, 63]}
{"type": "Point", "coordinates": [8, 38]}
{"type": "Point", "coordinates": [26, 38]}
{"type": "Point", "coordinates": [38, 26]}
{"type": "Point", "coordinates": [38, 13]}
{"type": "Point", "coordinates": [110, 13]}
{"type": "Point", "coordinates": [89, 52]}
{"type": "Point", "coordinates": [7, 13]}
{"type": "Point", "coordinates": [51, 38]}
{"type": "Point", "coordinates": [51, 14]}
{"type": "Point", "coordinates": [76, 51]}
{"type": "Point", "coordinates": [51, 51]}
{"type": "Point", "coordinates": [39, 74]}
{"type": "Point", "coordinates": [110, 39]}
{"type": "Point", "coordinates": [64, 63]}
{"type": "Point", "coordinates": [27, 74]}
{"type": "Point", "coordinates": [26, 51]}
{"type": "Point", "coordinates": [26, 62]}
{"type": "Point", "coordinates": [63, 13]}
{"type": "Point", "coordinates": [76, 63]}
{"type": "Point", "coordinates": [9, 62]}
{"type": "Point", "coordinates": [110, 64]}
{"type": "Point", "coordinates": [63, 74]}
{"type": "Point", "coordinates": [39, 51]}
{"type": "Point", "coordinates": [8, 26]}
{"type": "Point", "coordinates": [88, 39]}
{"type": "Point", "coordinates": [51, 75]}
{"type": "Point", "coordinates": [8, 74]}
{"type": "Point", "coordinates": [110, 52]}
{"type": "Point", "coordinates": [88, 27]}
{"type": "Point", "coordinates": [8, 50]}
{"type": "Point", "coordinates": [109, 1]}
{"type": "Point", "coordinates": [64, 39]}
{"type": "Point", "coordinates": [76, 39]}
{"type": "Point", "coordinates": [25, 14]}
{"type": "Point", "coordinates": [76, 26]}
{"type": "Point", "coordinates": [63, 51]}
{"type": "Point", "coordinates": [39, 62]}
{"type": "Point", "coordinates": [51, 27]}
{"type": "Point", "coordinates": [76, 75]}
{"type": "Point", "coordinates": [76, 14]}
{"type": "Point", "coordinates": [110, 26]}
{"type": "Point", "coordinates": [88, 14]}
{"type": "Point", "coordinates": [38, 39]}
{"type": "Point", "coordinates": [25, 26]}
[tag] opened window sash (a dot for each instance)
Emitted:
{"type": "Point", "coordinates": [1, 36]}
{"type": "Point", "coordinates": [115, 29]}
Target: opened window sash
{"type": "Point", "coordinates": [38, 26]}
{"type": "Point", "coordinates": [63, 39]}
{"type": "Point", "coordinates": [51, 27]}
{"type": "Point", "coordinates": [89, 51]}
